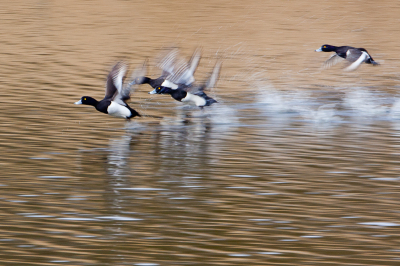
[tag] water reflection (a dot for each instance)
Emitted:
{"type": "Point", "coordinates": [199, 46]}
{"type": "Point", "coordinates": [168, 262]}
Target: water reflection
{"type": "Point", "coordinates": [192, 184]}
{"type": "Point", "coordinates": [171, 151]}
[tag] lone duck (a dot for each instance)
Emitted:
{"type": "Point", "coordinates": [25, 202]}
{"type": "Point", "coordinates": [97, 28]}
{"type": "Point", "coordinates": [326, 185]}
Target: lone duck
{"type": "Point", "coordinates": [114, 102]}
{"type": "Point", "coordinates": [355, 56]}
{"type": "Point", "coordinates": [193, 93]}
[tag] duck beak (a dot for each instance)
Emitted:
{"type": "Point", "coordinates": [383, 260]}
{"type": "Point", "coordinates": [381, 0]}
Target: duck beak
{"type": "Point", "coordinates": [79, 102]}
{"type": "Point", "coordinates": [319, 50]}
{"type": "Point", "coordinates": [153, 92]}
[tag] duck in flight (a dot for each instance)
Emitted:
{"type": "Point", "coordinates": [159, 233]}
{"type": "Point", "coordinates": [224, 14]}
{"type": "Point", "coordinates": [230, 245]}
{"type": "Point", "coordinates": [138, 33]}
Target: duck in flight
{"type": "Point", "coordinates": [354, 56]}
{"type": "Point", "coordinates": [175, 72]}
{"type": "Point", "coordinates": [114, 102]}
{"type": "Point", "coordinates": [194, 93]}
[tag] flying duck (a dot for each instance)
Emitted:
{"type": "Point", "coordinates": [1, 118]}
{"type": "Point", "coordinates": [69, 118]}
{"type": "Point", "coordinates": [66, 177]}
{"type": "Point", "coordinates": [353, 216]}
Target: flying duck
{"type": "Point", "coordinates": [355, 56]}
{"type": "Point", "coordinates": [175, 72]}
{"type": "Point", "coordinates": [193, 93]}
{"type": "Point", "coordinates": [114, 102]}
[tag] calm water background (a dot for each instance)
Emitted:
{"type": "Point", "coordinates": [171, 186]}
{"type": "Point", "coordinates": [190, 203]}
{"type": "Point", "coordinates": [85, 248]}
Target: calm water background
{"type": "Point", "coordinates": [295, 166]}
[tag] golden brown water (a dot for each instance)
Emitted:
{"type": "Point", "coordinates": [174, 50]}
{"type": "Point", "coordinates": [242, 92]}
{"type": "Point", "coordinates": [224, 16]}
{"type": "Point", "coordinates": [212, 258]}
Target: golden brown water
{"type": "Point", "coordinates": [294, 166]}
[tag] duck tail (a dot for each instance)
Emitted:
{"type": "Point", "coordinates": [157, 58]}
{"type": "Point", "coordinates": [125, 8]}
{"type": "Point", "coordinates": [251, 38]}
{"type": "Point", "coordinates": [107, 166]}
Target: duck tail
{"type": "Point", "coordinates": [133, 113]}
{"type": "Point", "coordinates": [370, 60]}
{"type": "Point", "coordinates": [210, 101]}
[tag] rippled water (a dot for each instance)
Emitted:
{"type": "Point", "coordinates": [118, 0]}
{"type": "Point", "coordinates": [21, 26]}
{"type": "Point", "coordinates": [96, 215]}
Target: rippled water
{"type": "Point", "coordinates": [295, 165]}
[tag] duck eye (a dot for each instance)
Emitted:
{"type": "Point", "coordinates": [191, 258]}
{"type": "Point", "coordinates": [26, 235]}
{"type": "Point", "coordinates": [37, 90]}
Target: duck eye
{"type": "Point", "coordinates": [84, 99]}
{"type": "Point", "coordinates": [158, 88]}
{"type": "Point", "coordinates": [324, 46]}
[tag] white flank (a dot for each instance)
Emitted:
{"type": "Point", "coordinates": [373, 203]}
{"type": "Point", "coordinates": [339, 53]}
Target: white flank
{"type": "Point", "coordinates": [118, 110]}
{"type": "Point", "coordinates": [358, 62]}
{"type": "Point", "coordinates": [169, 84]}
{"type": "Point", "coordinates": [197, 100]}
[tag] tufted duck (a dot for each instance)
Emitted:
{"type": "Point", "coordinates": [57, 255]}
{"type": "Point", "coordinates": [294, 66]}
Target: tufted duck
{"type": "Point", "coordinates": [355, 56]}
{"type": "Point", "coordinates": [114, 102]}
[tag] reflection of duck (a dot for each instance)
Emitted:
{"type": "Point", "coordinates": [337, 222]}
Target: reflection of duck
{"type": "Point", "coordinates": [118, 156]}
{"type": "Point", "coordinates": [185, 147]}
{"type": "Point", "coordinates": [114, 102]}
{"type": "Point", "coordinates": [355, 56]}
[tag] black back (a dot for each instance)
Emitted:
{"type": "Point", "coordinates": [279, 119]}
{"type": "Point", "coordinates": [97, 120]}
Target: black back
{"type": "Point", "coordinates": [342, 50]}
{"type": "Point", "coordinates": [178, 94]}
{"type": "Point", "coordinates": [103, 105]}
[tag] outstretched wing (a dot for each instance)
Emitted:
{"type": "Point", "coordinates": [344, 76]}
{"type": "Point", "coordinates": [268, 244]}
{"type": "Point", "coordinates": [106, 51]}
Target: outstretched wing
{"type": "Point", "coordinates": [333, 60]}
{"type": "Point", "coordinates": [168, 62]}
{"type": "Point", "coordinates": [136, 77]}
{"type": "Point", "coordinates": [210, 82]}
{"type": "Point", "coordinates": [214, 76]}
{"type": "Point", "coordinates": [184, 74]}
{"type": "Point", "coordinates": [115, 78]}
{"type": "Point", "coordinates": [110, 86]}
{"type": "Point", "coordinates": [180, 71]}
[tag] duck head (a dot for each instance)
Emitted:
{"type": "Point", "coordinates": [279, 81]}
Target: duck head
{"type": "Point", "coordinates": [161, 90]}
{"type": "Point", "coordinates": [87, 100]}
{"type": "Point", "coordinates": [326, 48]}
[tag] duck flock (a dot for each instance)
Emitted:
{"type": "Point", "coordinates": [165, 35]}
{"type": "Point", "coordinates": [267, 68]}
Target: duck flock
{"type": "Point", "coordinates": [177, 79]}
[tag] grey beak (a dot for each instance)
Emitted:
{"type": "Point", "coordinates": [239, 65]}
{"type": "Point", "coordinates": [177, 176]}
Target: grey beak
{"type": "Point", "coordinates": [319, 50]}
{"type": "Point", "coordinates": [153, 92]}
{"type": "Point", "coordinates": [79, 102]}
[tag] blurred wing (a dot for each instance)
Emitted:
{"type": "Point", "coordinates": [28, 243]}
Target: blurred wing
{"type": "Point", "coordinates": [181, 74]}
{"type": "Point", "coordinates": [193, 89]}
{"type": "Point", "coordinates": [138, 73]}
{"type": "Point", "coordinates": [195, 59]}
{"type": "Point", "coordinates": [333, 60]}
{"type": "Point", "coordinates": [114, 80]}
{"type": "Point", "coordinates": [180, 71]}
{"type": "Point", "coordinates": [187, 76]}
{"type": "Point", "coordinates": [114, 83]}
{"type": "Point", "coordinates": [167, 63]}
{"type": "Point", "coordinates": [212, 80]}
{"type": "Point", "coordinates": [357, 58]}
{"type": "Point", "coordinates": [209, 84]}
